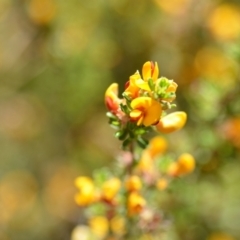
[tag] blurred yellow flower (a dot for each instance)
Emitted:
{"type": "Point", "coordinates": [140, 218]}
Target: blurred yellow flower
{"type": "Point", "coordinates": [184, 165]}
{"type": "Point", "coordinates": [162, 183]}
{"type": "Point", "coordinates": [87, 193]}
{"type": "Point", "coordinates": [220, 236]}
{"type": "Point", "coordinates": [156, 146]}
{"type": "Point", "coordinates": [145, 164]}
{"type": "Point", "coordinates": [133, 183]}
{"type": "Point", "coordinates": [136, 203]}
{"type": "Point", "coordinates": [146, 111]}
{"type": "Point", "coordinates": [117, 225]}
{"type": "Point", "coordinates": [172, 122]}
{"type": "Point", "coordinates": [224, 22]}
{"type": "Point", "coordinates": [110, 189]}
{"type": "Point", "coordinates": [82, 232]}
{"type": "Point", "coordinates": [173, 7]}
{"type": "Point", "coordinates": [211, 63]}
{"type": "Point", "coordinates": [99, 226]}
{"type": "Point", "coordinates": [42, 11]}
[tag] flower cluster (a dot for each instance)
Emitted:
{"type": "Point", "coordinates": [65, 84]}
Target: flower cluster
{"type": "Point", "coordinates": [129, 196]}
{"type": "Point", "coordinates": [145, 100]}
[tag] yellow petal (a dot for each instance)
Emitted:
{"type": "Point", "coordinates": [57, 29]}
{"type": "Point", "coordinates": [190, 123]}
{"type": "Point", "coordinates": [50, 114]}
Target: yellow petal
{"type": "Point", "coordinates": [153, 113]}
{"type": "Point", "coordinates": [172, 122]}
{"type": "Point", "coordinates": [112, 90]}
{"type": "Point", "coordinates": [135, 114]}
{"type": "Point", "coordinates": [155, 72]}
{"type": "Point", "coordinates": [150, 108]}
{"type": "Point", "coordinates": [147, 70]}
{"type": "Point", "coordinates": [142, 85]}
{"type": "Point", "coordinates": [150, 70]}
{"type": "Point", "coordinates": [140, 120]}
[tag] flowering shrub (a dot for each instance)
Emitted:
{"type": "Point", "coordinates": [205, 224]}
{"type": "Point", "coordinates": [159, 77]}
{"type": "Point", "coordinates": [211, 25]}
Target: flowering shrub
{"type": "Point", "coordinates": [123, 203]}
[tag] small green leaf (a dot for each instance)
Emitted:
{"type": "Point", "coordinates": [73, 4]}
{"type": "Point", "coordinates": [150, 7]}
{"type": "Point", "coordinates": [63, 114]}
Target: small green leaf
{"type": "Point", "coordinates": [111, 115]}
{"type": "Point", "coordinates": [142, 142]}
{"type": "Point", "coordinates": [122, 134]}
{"type": "Point", "coordinates": [126, 142]}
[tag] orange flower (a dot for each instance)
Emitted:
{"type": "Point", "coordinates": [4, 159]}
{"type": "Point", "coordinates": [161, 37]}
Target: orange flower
{"type": "Point", "coordinates": [146, 111]}
{"type": "Point", "coordinates": [136, 203]}
{"type": "Point", "coordinates": [172, 122]}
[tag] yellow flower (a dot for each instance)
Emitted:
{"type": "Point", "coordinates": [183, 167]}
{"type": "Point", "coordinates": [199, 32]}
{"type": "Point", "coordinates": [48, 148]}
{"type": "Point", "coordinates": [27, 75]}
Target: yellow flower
{"type": "Point", "coordinates": [149, 71]}
{"type": "Point", "coordinates": [146, 111]}
{"type": "Point", "coordinates": [117, 225]}
{"type": "Point", "coordinates": [172, 122]}
{"type": "Point", "coordinates": [133, 183]}
{"type": "Point", "coordinates": [110, 189]}
{"type": "Point", "coordinates": [184, 165]}
{"type": "Point", "coordinates": [136, 203]}
{"type": "Point", "coordinates": [156, 146]}
{"type": "Point", "coordinates": [111, 98]}
{"type": "Point", "coordinates": [99, 226]}
{"type": "Point", "coordinates": [87, 193]}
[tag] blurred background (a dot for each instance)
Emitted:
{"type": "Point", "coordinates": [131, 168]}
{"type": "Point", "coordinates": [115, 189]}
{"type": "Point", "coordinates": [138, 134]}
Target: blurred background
{"type": "Point", "coordinates": [57, 58]}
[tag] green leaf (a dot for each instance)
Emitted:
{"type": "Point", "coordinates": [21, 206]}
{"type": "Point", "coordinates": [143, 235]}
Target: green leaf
{"type": "Point", "coordinates": [142, 142]}
{"type": "Point", "coordinates": [126, 142]}
{"type": "Point", "coordinates": [111, 115]}
{"type": "Point", "coordinates": [122, 134]}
